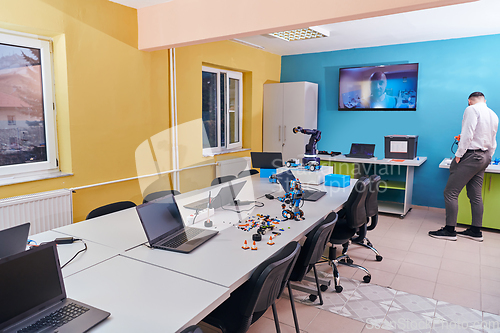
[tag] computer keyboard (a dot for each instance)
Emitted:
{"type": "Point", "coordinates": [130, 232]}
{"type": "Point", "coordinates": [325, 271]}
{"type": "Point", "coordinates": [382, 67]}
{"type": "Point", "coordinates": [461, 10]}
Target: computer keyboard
{"type": "Point", "coordinates": [182, 238]}
{"type": "Point", "coordinates": [56, 318]}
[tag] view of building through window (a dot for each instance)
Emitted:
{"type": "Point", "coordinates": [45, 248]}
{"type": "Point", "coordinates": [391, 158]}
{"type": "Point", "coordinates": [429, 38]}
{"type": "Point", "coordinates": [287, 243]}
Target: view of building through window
{"type": "Point", "coordinates": [22, 128]}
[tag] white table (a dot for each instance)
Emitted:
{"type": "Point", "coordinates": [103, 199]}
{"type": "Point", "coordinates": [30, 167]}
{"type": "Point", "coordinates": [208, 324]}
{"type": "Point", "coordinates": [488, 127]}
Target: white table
{"type": "Point", "coordinates": [95, 253]}
{"type": "Point", "coordinates": [389, 207]}
{"type": "Point", "coordinates": [143, 297]}
{"type": "Point", "coordinates": [121, 230]}
{"type": "Point", "coordinates": [222, 261]}
{"type": "Point", "coordinates": [445, 164]}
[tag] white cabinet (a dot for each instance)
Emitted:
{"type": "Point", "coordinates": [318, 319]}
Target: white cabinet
{"type": "Point", "coordinates": [288, 105]}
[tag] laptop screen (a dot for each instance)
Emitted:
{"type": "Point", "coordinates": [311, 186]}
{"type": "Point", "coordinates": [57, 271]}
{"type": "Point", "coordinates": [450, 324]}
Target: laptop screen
{"type": "Point", "coordinates": [284, 179]}
{"type": "Point", "coordinates": [29, 281]}
{"type": "Point", "coordinates": [160, 218]}
{"type": "Point", "coordinates": [266, 160]}
{"type": "Point", "coordinates": [13, 240]}
{"type": "Point", "coordinates": [364, 149]}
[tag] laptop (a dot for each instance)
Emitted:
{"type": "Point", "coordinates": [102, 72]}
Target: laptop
{"type": "Point", "coordinates": [13, 240]}
{"type": "Point", "coordinates": [266, 160]}
{"type": "Point", "coordinates": [284, 179]}
{"type": "Point", "coordinates": [33, 293]}
{"type": "Point", "coordinates": [362, 150]}
{"type": "Point", "coordinates": [162, 223]}
{"type": "Point", "coordinates": [226, 196]}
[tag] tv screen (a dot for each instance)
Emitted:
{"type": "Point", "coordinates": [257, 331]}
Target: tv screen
{"type": "Point", "coordinates": [392, 87]}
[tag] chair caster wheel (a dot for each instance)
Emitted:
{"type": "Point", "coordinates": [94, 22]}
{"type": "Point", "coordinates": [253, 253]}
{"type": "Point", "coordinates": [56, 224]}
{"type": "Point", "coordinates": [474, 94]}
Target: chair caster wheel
{"type": "Point", "coordinates": [312, 298]}
{"type": "Point", "coordinates": [379, 258]}
{"type": "Point", "coordinates": [342, 260]}
{"type": "Point", "coordinates": [339, 289]}
{"type": "Point", "coordinates": [350, 261]}
{"type": "Point", "coordinates": [367, 278]}
{"type": "Point", "coordinates": [323, 287]}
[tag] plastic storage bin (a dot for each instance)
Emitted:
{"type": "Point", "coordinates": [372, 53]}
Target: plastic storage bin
{"type": "Point", "coordinates": [337, 180]}
{"type": "Point", "coordinates": [401, 146]}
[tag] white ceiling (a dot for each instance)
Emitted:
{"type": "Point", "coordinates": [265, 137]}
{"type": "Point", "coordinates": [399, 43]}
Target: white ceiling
{"type": "Point", "coordinates": [463, 20]}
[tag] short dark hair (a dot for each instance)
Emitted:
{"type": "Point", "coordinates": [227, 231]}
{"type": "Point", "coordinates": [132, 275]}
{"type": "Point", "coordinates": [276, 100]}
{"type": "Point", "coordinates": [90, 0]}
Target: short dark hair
{"type": "Point", "coordinates": [476, 94]}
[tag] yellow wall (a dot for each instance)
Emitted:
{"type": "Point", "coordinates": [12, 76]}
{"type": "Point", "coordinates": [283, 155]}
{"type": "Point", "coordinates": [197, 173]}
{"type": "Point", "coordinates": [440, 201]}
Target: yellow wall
{"type": "Point", "coordinates": [111, 97]}
{"type": "Point", "coordinates": [258, 67]}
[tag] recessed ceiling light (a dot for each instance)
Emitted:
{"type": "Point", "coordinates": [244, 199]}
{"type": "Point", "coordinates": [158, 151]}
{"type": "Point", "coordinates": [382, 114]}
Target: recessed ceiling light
{"type": "Point", "coordinates": [301, 34]}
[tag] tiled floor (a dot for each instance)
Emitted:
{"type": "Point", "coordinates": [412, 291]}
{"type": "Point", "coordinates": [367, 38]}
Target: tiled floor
{"type": "Point", "coordinates": [423, 284]}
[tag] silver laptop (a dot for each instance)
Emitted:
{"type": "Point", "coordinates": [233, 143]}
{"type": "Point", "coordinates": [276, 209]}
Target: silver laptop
{"type": "Point", "coordinates": [162, 223]}
{"type": "Point", "coordinates": [226, 196]}
{"type": "Point", "coordinates": [33, 297]}
{"type": "Point", "coordinates": [284, 179]}
{"type": "Point", "coordinates": [13, 240]}
{"type": "Point", "coordinates": [361, 150]}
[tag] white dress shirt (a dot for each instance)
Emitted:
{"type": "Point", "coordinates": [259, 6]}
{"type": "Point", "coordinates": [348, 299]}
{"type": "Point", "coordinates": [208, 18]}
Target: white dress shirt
{"type": "Point", "coordinates": [479, 130]}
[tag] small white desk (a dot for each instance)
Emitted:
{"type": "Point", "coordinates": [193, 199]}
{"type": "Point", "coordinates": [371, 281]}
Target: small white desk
{"type": "Point", "coordinates": [389, 207]}
{"type": "Point", "coordinates": [143, 297]}
{"type": "Point", "coordinates": [445, 164]}
{"type": "Point", "coordinates": [95, 253]}
{"type": "Point", "coordinates": [121, 230]}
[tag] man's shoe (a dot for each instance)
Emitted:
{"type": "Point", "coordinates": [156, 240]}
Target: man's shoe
{"type": "Point", "coordinates": [468, 233]}
{"type": "Point", "coordinates": [444, 234]}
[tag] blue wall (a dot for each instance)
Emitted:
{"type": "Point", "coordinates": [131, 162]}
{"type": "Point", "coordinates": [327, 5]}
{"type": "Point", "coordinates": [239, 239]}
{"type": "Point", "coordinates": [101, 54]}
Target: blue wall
{"type": "Point", "coordinates": [448, 72]}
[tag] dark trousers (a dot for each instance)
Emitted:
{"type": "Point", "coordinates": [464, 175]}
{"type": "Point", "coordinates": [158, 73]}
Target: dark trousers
{"type": "Point", "coordinates": [469, 172]}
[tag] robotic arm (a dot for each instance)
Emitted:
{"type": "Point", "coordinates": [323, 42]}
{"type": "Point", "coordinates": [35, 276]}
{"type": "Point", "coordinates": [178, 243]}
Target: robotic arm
{"type": "Point", "coordinates": [310, 154]}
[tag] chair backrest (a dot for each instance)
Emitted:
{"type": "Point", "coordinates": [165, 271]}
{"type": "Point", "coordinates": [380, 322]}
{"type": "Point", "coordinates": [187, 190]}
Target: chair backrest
{"type": "Point", "coordinates": [111, 208]}
{"type": "Point", "coordinates": [223, 179]}
{"type": "Point", "coordinates": [354, 207]}
{"type": "Point", "coordinates": [372, 195]}
{"type": "Point", "coordinates": [192, 329]}
{"type": "Point", "coordinates": [246, 173]}
{"type": "Point", "coordinates": [313, 247]}
{"type": "Point", "coordinates": [159, 194]}
{"type": "Point", "coordinates": [268, 280]}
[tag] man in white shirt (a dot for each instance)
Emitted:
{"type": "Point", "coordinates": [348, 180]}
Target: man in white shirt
{"type": "Point", "coordinates": [475, 150]}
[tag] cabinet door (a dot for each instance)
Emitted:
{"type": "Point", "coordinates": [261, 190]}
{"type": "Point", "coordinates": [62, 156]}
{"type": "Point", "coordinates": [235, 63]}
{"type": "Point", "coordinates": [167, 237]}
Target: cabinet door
{"type": "Point", "coordinates": [491, 200]}
{"type": "Point", "coordinates": [272, 120]}
{"type": "Point", "coordinates": [299, 109]}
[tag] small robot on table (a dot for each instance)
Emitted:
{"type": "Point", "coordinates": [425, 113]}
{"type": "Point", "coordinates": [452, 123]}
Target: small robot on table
{"type": "Point", "coordinates": [310, 160]}
{"type": "Point", "coordinates": [292, 198]}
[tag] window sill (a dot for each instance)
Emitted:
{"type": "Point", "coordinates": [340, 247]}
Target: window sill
{"type": "Point", "coordinates": [34, 176]}
{"type": "Point", "coordinates": [228, 151]}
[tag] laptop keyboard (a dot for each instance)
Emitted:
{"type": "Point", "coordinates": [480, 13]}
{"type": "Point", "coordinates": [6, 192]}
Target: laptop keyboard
{"type": "Point", "coordinates": [57, 318]}
{"type": "Point", "coordinates": [182, 238]}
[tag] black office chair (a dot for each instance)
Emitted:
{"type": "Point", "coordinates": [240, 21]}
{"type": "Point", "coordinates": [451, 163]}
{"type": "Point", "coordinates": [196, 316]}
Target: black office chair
{"type": "Point", "coordinates": [192, 329]}
{"type": "Point", "coordinates": [111, 208]}
{"type": "Point", "coordinates": [159, 194]}
{"type": "Point", "coordinates": [371, 206]}
{"type": "Point", "coordinates": [251, 300]}
{"type": "Point", "coordinates": [246, 173]}
{"type": "Point", "coordinates": [223, 179]}
{"type": "Point", "coordinates": [310, 254]}
{"type": "Point", "coordinates": [351, 217]}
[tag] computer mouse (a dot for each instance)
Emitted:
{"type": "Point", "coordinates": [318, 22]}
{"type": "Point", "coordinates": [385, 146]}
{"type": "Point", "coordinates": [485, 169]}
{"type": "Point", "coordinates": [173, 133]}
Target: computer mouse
{"type": "Point", "coordinates": [269, 196]}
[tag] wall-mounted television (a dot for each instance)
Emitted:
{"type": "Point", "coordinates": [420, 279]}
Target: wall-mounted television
{"type": "Point", "coordinates": [391, 87]}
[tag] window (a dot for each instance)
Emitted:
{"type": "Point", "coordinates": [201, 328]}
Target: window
{"type": "Point", "coordinates": [27, 111]}
{"type": "Point", "coordinates": [222, 108]}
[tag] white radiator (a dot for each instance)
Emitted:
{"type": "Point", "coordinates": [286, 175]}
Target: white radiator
{"type": "Point", "coordinates": [232, 166]}
{"type": "Point", "coordinates": [44, 210]}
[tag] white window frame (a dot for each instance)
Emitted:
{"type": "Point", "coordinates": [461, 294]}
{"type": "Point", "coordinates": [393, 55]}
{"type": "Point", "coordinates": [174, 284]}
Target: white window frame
{"type": "Point", "coordinates": [229, 146]}
{"type": "Point", "coordinates": [45, 46]}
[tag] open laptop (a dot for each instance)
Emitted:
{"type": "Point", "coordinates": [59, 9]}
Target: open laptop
{"type": "Point", "coordinates": [33, 297]}
{"type": "Point", "coordinates": [284, 179]}
{"type": "Point", "coordinates": [162, 223]}
{"type": "Point", "coordinates": [226, 196]}
{"type": "Point", "coordinates": [266, 160]}
{"type": "Point", "coordinates": [13, 240]}
{"type": "Point", "coordinates": [362, 150]}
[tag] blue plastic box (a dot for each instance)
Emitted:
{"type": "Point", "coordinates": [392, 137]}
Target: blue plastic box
{"type": "Point", "coordinates": [265, 173]}
{"type": "Point", "coordinates": [337, 180]}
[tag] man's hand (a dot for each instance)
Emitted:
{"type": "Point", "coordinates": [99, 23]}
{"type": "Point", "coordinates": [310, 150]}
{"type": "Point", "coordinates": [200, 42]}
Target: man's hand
{"type": "Point", "coordinates": [457, 159]}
